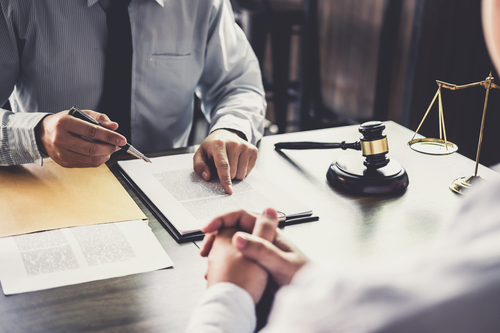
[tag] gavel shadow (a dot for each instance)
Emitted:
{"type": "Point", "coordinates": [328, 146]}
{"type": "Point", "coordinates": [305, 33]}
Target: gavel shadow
{"type": "Point", "coordinates": [294, 164]}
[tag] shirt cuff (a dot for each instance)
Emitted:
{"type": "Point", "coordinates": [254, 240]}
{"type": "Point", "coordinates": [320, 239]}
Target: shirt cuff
{"type": "Point", "coordinates": [224, 307]}
{"type": "Point", "coordinates": [238, 124]}
{"type": "Point", "coordinates": [22, 139]}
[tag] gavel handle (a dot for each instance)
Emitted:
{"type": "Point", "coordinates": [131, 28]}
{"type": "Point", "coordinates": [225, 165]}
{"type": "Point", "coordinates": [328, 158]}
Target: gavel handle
{"type": "Point", "coordinates": [317, 145]}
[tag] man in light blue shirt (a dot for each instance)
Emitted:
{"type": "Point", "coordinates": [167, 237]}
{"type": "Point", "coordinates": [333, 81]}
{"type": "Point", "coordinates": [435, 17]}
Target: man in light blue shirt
{"type": "Point", "coordinates": [52, 57]}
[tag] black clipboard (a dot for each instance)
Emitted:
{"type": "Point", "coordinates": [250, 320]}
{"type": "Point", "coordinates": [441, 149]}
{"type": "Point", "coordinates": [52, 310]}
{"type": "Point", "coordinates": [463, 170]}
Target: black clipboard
{"type": "Point", "coordinates": [180, 238]}
{"type": "Point", "coordinates": [197, 235]}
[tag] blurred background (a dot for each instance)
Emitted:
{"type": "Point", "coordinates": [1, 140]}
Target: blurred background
{"type": "Point", "coordinates": [328, 63]}
{"type": "Point", "coordinates": [331, 63]}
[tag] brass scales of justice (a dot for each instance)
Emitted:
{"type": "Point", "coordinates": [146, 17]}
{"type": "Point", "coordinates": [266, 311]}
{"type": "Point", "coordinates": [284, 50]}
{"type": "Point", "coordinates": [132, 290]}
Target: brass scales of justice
{"type": "Point", "coordinates": [442, 146]}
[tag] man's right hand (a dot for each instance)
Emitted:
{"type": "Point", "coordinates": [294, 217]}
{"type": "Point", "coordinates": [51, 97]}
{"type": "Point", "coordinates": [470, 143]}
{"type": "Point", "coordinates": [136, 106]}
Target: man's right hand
{"type": "Point", "coordinates": [278, 256]}
{"type": "Point", "coordinates": [281, 258]}
{"type": "Point", "coordinates": [61, 139]}
{"type": "Point", "coordinates": [226, 264]}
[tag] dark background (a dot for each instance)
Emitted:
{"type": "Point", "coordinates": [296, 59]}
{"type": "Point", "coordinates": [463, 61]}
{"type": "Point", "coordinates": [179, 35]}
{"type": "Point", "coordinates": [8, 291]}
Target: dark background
{"type": "Point", "coordinates": [380, 59]}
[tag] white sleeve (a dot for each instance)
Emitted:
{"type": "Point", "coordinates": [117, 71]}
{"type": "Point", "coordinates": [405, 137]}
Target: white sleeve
{"type": "Point", "coordinates": [224, 307]}
{"type": "Point", "coordinates": [230, 86]}
{"type": "Point", "coordinates": [454, 289]}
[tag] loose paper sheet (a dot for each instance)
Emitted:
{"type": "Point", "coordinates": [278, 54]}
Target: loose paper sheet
{"type": "Point", "coordinates": [189, 202]}
{"type": "Point", "coordinates": [68, 256]}
{"type": "Point", "coordinates": [35, 198]}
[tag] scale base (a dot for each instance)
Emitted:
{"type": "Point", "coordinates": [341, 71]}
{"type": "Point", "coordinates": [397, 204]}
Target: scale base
{"type": "Point", "coordinates": [349, 173]}
{"type": "Point", "coordinates": [461, 184]}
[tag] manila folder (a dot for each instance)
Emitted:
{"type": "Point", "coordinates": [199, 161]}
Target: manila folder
{"type": "Point", "coordinates": [35, 198]}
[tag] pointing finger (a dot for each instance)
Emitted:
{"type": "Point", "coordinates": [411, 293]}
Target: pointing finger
{"type": "Point", "coordinates": [223, 168]}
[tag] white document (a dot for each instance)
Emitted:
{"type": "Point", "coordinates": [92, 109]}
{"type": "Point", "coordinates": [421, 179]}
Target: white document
{"type": "Point", "coordinates": [189, 202]}
{"type": "Point", "coordinates": [68, 256]}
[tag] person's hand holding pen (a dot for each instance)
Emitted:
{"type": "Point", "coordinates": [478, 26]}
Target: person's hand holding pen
{"type": "Point", "coordinates": [60, 137]}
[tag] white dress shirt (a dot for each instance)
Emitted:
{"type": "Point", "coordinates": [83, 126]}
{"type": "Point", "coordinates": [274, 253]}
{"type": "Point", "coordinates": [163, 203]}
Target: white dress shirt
{"type": "Point", "coordinates": [52, 55]}
{"type": "Point", "coordinates": [456, 289]}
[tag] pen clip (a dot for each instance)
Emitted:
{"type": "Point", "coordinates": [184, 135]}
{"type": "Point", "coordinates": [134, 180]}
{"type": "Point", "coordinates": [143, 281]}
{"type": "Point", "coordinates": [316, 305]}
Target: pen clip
{"type": "Point", "coordinates": [77, 113]}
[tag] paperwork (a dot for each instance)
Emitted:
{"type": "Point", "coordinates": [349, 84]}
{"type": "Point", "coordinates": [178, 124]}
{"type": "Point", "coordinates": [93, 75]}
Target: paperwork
{"type": "Point", "coordinates": [34, 198]}
{"type": "Point", "coordinates": [75, 255]}
{"type": "Point", "coordinates": [188, 202]}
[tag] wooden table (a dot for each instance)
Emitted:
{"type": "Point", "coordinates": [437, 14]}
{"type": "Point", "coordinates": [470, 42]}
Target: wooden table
{"type": "Point", "coordinates": [351, 229]}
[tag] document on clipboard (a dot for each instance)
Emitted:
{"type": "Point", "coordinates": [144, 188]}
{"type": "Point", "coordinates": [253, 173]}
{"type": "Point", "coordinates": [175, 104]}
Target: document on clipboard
{"type": "Point", "coordinates": [183, 202]}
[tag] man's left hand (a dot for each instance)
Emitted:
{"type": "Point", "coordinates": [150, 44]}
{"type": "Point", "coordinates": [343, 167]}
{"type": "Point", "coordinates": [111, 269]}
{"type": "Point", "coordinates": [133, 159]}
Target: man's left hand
{"type": "Point", "coordinates": [226, 264]}
{"type": "Point", "coordinates": [232, 156]}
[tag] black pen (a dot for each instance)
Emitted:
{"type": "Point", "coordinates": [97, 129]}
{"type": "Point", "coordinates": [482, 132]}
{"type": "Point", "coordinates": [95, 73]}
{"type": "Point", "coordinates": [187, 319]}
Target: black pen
{"type": "Point", "coordinates": [77, 113]}
{"type": "Point", "coordinates": [297, 220]}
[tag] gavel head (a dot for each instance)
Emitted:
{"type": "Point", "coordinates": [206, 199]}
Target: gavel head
{"type": "Point", "coordinates": [374, 145]}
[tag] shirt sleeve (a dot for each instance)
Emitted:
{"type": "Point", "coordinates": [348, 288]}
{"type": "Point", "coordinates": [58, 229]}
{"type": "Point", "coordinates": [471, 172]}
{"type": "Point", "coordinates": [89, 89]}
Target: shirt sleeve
{"type": "Point", "coordinates": [17, 130]}
{"type": "Point", "coordinates": [17, 138]}
{"type": "Point", "coordinates": [230, 86]}
{"type": "Point", "coordinates": [224, 307]}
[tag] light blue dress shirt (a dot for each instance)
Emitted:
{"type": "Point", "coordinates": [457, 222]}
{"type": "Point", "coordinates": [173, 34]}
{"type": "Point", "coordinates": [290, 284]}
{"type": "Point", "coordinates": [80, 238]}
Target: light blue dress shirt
{"type": "Point", "coordinates": [52, 55]}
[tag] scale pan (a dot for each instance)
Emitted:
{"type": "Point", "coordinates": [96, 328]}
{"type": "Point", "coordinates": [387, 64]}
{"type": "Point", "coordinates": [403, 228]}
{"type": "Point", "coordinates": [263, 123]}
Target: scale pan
{"type": "Point", "coordinates": [433, 146]}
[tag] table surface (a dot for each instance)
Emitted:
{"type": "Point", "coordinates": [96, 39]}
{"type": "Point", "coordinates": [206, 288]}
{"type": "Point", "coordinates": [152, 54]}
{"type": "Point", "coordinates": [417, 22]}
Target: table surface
{"type": "Point", "coordinates": [351, 229]}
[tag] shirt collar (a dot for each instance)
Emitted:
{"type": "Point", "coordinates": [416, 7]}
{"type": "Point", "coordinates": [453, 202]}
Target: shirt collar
{"type": "Point", "coordinates": [93, 2]}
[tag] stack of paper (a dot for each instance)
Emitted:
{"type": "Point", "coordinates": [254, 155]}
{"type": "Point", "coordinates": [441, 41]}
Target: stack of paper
{"type": "Point", "coordinates": [35, 198]}
{"type": "Point", "coordinates": [67, 256]}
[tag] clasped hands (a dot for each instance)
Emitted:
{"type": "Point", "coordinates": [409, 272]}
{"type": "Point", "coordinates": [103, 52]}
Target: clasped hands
{"type": "Point", "coordinates": [60, 137]}
{"type": "Point", "coordinates": [246, 249]}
